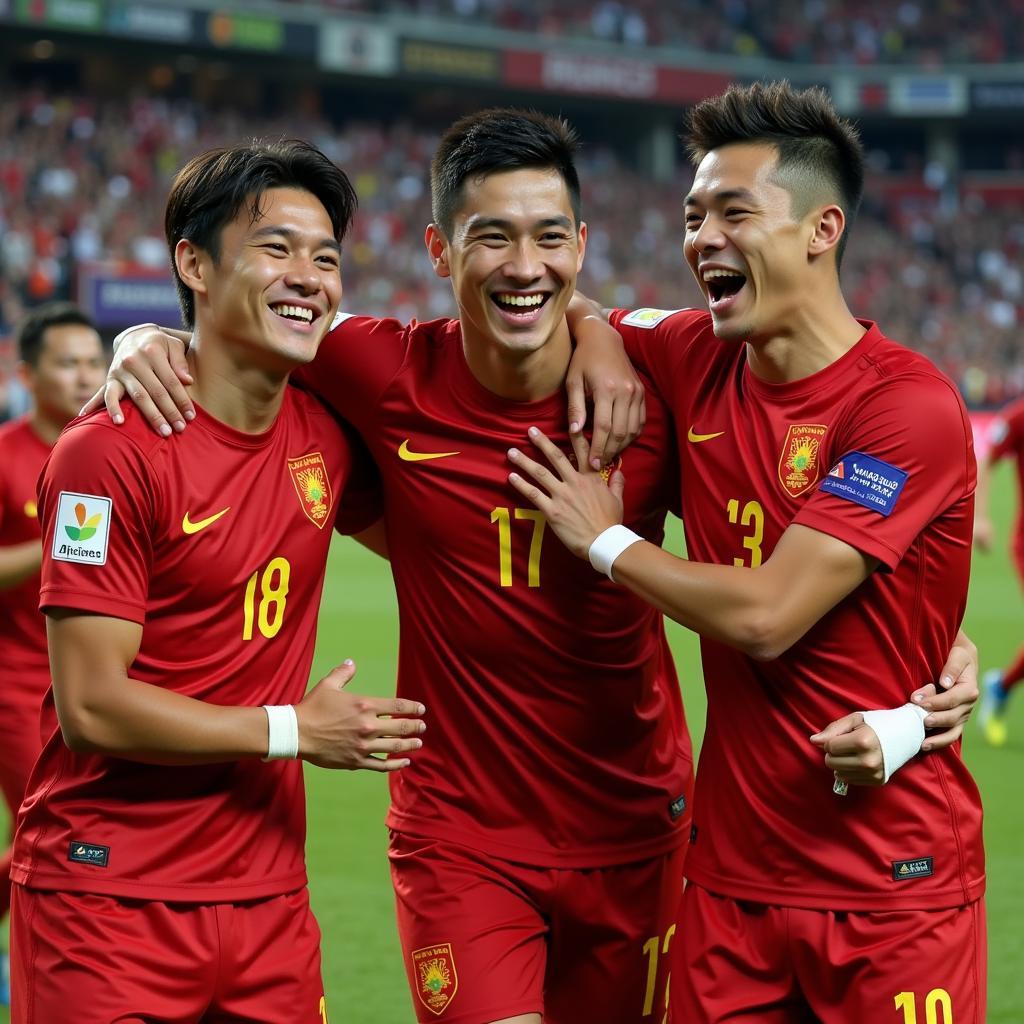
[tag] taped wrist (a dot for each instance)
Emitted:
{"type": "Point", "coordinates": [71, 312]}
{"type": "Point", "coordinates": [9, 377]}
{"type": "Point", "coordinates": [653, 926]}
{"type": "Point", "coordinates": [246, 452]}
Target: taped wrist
{"type": "Point", "coordinates": [282, 732]}
{"type": "Point", "coordinates": [900, 734]}
{"type": "Point", "coordinates": [608, 545]}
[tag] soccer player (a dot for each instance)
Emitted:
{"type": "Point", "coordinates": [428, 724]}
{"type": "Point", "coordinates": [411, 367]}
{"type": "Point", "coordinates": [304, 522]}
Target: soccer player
{"type": "Point", "coordinates": [536, 850]}
{"type": "Point", "coordinates": [158, 860]}
{"type": "Point", "coordinates": [828, 505]}
{"type": "Point", "coordinates": [61, 363]}
{"type": "Point", "coordinates": [1006, 439]}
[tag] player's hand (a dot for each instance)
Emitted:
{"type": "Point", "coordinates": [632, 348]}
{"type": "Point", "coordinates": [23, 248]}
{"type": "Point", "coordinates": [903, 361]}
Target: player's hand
{"type": "Point", "coordinates": [852, 751]}
{"type": "Point", "coordinates": [950, 708]}
{"type": "Point", "coordinates": [150, 367]}
{"type": "Point", "coordinates": [983, 533]}
{"type": "Point", "coordinates": [338, 729]}
{"type": "Point", "coordinates": [600, 370]}
{"type": "Point", "coordinates": [577, 504]}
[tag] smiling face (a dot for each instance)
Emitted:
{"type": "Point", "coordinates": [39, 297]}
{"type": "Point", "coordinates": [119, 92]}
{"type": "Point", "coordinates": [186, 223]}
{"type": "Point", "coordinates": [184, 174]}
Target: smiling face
{"type": "Point", "coordinates": [750, 255]}
{"type": "Point", "coordinates": [513, 256]}
{"type": "Point", "coordinates": [276, 284]}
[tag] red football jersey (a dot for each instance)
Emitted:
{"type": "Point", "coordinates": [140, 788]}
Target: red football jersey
{"type": "Point", "coordinates": [216, 542]}
{"type": "Point", "coordinates": [555, 733]}
{"type": "Point", "coordinates": [24, 665]}
{"type": "Point", "coordinates": [1007, 439]}
{"type": "Point", "coordinates": [875, 450]}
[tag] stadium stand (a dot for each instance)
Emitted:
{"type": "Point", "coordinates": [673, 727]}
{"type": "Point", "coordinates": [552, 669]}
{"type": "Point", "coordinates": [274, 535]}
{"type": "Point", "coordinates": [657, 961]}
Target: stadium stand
{"type": "Point", "coordinates": [82, 180]}
{"type": "Point", "coordinates": [806, 31]}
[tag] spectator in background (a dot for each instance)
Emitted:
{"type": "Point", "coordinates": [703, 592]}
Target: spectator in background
{"type": "Point", "coordinates": [61, 364]}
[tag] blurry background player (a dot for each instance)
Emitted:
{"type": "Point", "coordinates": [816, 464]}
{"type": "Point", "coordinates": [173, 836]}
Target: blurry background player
{"type": "Point", "coordinates": [1006, 439]}
{"type": "Point", "coordinates": [61, 361]}
{"type": "Point", "coordinates": [830, 538]}
{"type": "Point", "coordinates": [522, 882]}
{"type": "Point", "coordinates": [159, 860]}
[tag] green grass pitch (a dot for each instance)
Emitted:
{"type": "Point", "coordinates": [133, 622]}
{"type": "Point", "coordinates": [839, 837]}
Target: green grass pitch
{"type": "Point", "coordinates": [363, 970]}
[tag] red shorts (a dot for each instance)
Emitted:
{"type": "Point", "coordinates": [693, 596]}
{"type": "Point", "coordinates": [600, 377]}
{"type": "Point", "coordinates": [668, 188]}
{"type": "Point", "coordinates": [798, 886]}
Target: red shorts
{"type": "Point", "coordinates": [779, 965]}
{"type": "Point", "coordinates": [99, 959]}
{"type": "Point", "coordinates": [484, 939]}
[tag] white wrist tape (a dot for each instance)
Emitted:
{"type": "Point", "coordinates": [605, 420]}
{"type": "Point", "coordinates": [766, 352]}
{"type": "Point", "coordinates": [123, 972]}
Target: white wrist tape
{"type": "Point", "coordinates": [900, 733]}
{"type": "Point", "coordinates": [608, 545]}
{"type": "Point", "coordinates": [282, 732]}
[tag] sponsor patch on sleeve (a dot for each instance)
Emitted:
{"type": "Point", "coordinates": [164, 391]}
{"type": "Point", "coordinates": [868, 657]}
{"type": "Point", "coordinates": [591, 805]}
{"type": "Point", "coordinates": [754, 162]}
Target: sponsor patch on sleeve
{"type": "Point", "coordinates": [83, 528]}
{"type": "Point", "coordinates": [339, 319]}
{"type": "Point", "coordinates": [867, 481]}
{"type": "Point", "coordinates": [648, 318]}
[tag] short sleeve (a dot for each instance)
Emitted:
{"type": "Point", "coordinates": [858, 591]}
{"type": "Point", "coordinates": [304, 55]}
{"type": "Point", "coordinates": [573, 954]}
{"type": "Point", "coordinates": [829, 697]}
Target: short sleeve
{"type": "Point", "coordinates": [356, 361]}
{"type": "Point", "coordinates": [98, 501]}
{"type": "Point", "coordinates": [904, 457]}
{"type": "Point", "coordinates": [656, 340]}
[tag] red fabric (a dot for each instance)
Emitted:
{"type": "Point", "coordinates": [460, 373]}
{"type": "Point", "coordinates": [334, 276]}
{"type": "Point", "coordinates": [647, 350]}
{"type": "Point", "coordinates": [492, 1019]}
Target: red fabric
{"type": "Point", "coordinates": [24, 665]}
{"type": "Point", "coordinates": [748, 962]}
{"type": "Point", "coordinates": [1006, 440]}
{"type": "Point", "coordinates": [768, 827]}
{"type": "Point", "coordinates": [517, 939]}
{"type": "Point", "coordinates": [556, 734]}
{"type": "Point", "coordinates": [96, 959]}
{"type": "Point", "coordinates": [206, 832]}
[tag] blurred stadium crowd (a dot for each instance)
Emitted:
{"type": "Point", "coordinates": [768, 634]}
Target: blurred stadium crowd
{"type": "Point", "coordinates": [83, 180]}
{"type": "Point", "coordinates": [916, 32]}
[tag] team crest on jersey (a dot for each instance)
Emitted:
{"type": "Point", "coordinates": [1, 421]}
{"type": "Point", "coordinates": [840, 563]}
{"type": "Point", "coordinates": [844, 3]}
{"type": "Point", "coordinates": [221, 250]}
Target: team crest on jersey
{"type": "Point", "coordinates": [312, 485]}
{"type": "Point", "coordinates": [798, 463]}
{"type": "Point", "coordinates": [436, 978]}
{"type": "Point", "coordinates": [606, 471]}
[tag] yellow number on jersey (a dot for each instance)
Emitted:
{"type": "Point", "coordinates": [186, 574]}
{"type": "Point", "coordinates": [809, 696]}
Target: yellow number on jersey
{"type": "Point", "coordinates": [752, 516]}
{"type": "Point", "coordinates": [323, 1010]}
{"type": "Point", "coordinates": [268, 612]}
{"type": "Point", "coordinates": [503, 517]}
{"type": "Point", "coordinates": [654, 947]}
{"type": "Point", "coordinates": [936, 999]}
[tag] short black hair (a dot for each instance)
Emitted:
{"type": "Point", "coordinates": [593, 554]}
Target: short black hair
{"type": "Point", "coordinates": [32, 330]}
{"type": "Point", "coordinates": [500, 139]}
{"type": "Point", "coordinates": [814, 143]}
{"type": "Point", "coordinates": [211, 188]}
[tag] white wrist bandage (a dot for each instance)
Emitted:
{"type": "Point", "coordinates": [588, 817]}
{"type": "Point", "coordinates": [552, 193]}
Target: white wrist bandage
{"type": "Point", "coordinates": [900, 733]}
{"type": "Point", "coordinates": [608, 545]}
{"type": "Point", "coordinates": [282, 732]}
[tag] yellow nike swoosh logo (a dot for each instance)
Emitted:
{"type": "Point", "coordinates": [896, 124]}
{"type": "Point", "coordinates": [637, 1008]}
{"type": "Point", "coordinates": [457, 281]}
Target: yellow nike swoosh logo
{"type": "Point", "coordinates": [409, 456]}
{"type": "Point", "coordinates": [692, 435]}
{"type": "Point", "coordinates": [189, 527]}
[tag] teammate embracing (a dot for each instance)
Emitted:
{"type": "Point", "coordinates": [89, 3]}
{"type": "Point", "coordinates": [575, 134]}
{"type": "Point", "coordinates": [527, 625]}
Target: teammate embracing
{"type": "Point", "coordinates": [536, 851]}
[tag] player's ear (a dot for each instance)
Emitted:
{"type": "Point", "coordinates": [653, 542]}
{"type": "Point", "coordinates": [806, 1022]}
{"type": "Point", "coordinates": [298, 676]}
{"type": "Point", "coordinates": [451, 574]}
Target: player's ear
{"type": "Point", "coordinates": [827, 228]}
{"type": "Point", "coordinates": [189, 264]}
{"type": "Point", "coordinates": [581, 239]}
{"type": "Point", "coordinates": [437, 249]}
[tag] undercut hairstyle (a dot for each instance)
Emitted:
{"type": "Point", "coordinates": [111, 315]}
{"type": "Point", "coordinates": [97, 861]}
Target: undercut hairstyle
{"type": "Point", "coordinates": [495, 140]}
{"type": "Point", "coordinates": [32, 330]}
{"type": "Point", "coordinates": [211, 188]}
{"type": "Point", "coordinates": [821, 158]}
